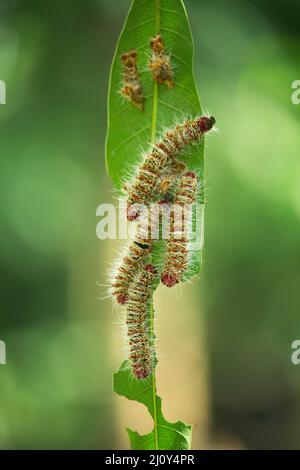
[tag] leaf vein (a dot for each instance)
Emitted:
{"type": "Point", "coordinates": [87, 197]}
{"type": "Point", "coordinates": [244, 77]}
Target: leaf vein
{"type": "Point", "coordinates": [129, 138]}
{"type": "Point", "coordinates": [168, 10]}
{"type": "Point", "coordinates": [180, 60]}
{"type": "Point", "coordinates": [150, 20]}
{"type": "Point", "coordinates": [184, 87]}
{"type": "Point", "coordinates": [170, 30]}
{"type": "Point", "coordinates": [170, 106]}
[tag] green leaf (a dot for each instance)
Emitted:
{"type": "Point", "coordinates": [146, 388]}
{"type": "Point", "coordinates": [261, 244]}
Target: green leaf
{"type": "Point", "coordinates": [165, 435]}
{"type": "Point", "coordinates": [130, 130]}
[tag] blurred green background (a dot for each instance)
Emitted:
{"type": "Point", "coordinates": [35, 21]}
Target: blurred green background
{"type": "Point", "coordinates": [55, 390]}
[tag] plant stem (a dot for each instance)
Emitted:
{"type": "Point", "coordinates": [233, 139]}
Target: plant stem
{"type": "Point", "coordinates": [151, 308]}
{"type": "Point", "coordinates": [155, 85]}
{"type": "Point", "coordinates": [154, 112]}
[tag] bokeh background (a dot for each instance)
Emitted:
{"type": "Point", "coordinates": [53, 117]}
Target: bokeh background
{"type": "Point", "coordinates": [225, 341]}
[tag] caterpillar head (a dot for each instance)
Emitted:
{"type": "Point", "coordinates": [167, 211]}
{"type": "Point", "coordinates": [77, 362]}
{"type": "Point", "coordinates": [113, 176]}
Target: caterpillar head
{"type": "Point", "coordinates": [141, 372]}
{"type": "Point", "coordinates": [122, 299]}
{"type": "Point", "coordinates": [190, 174]}
{"type": "Point", "coordinates": [169, 279]}
{"type": "Point", "coordinates": [132, 213]}
{"type": "Point", "coordinates": [150, 268]}
{"type": "Point", "coordinates": [129, 58]}
{"type": "Point", "coordinates": [205, 123]}
{"type": "Point", "coordinates": [157, 44]}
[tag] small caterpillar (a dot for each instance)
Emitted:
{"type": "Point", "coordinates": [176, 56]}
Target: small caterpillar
{"type": "Point", "coordinates": [137, 252]}
{"type": "Point", "coordinates": [132, 88]}
{"type": "Point", "coordinates": [143, 186]}
{"type": "Point", "coordinates": [176, 260]}
{"type": "Point", "coordinates": [160, 63]}
{"type": "Point", "coordinates": [137, 323]}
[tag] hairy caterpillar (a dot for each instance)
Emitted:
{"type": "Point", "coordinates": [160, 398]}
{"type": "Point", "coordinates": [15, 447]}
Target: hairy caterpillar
{"type": "Point", "coordinates": [138, 249]}
{"type": "Point", "coordinates": [142, 189]}
{"type": "Point", "coordinates": [137, 322]}
{"type": "Point", "coordinates": [176, 260]}
{"type": "Point", "coordinates": [132, 88]}
{"type": "Point", "coordinates": [160, 63]}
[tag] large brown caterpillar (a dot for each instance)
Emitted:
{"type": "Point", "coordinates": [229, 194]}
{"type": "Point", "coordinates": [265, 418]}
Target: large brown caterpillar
{"type": "Point", "coordinates": [176, 260]}
{"type": "Point", "coordinates": [138, 249]}
{"type": "Point", "coordinates": [160, 63]}
{"type": "Point", "coordinates": [132, 88]}
{"type": "Point", "coordinates": [143, 186]}
{"type": "Point", "coordinates": [137, 322]}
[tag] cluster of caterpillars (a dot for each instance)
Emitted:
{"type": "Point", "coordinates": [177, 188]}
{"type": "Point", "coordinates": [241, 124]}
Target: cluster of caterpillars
{"type": "Point", "coordinates": [161, 180]}
{"type": "Point", "coordinates": [159, 64]}
{"type": "Point", "coordinates": [162, 185]}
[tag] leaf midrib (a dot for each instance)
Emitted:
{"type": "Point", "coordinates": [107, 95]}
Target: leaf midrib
{"type": "Point", "coordinates": [153, 135]}
{"type": "Point", "coordinates": [165, 438]}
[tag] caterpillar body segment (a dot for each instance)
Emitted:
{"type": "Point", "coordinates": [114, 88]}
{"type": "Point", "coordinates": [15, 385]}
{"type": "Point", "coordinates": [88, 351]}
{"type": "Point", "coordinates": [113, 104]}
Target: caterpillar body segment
{"type": "Point", "coordinates": [160, 63]}
{"type": "Point", "coordinates": [169, 179]}
{"type": "Point", "coordinates": [176, 260]}
{"type": "Point", "coordinates": [129, 265]}
{"type": "Point", "coordinates": [137, 322]}
{"type": "Point", "coordinates": [138, 250]}
{"type": "Point", "coordinates": [132, 87]}
{"type": "Point", "coordinates": [142, 190]}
